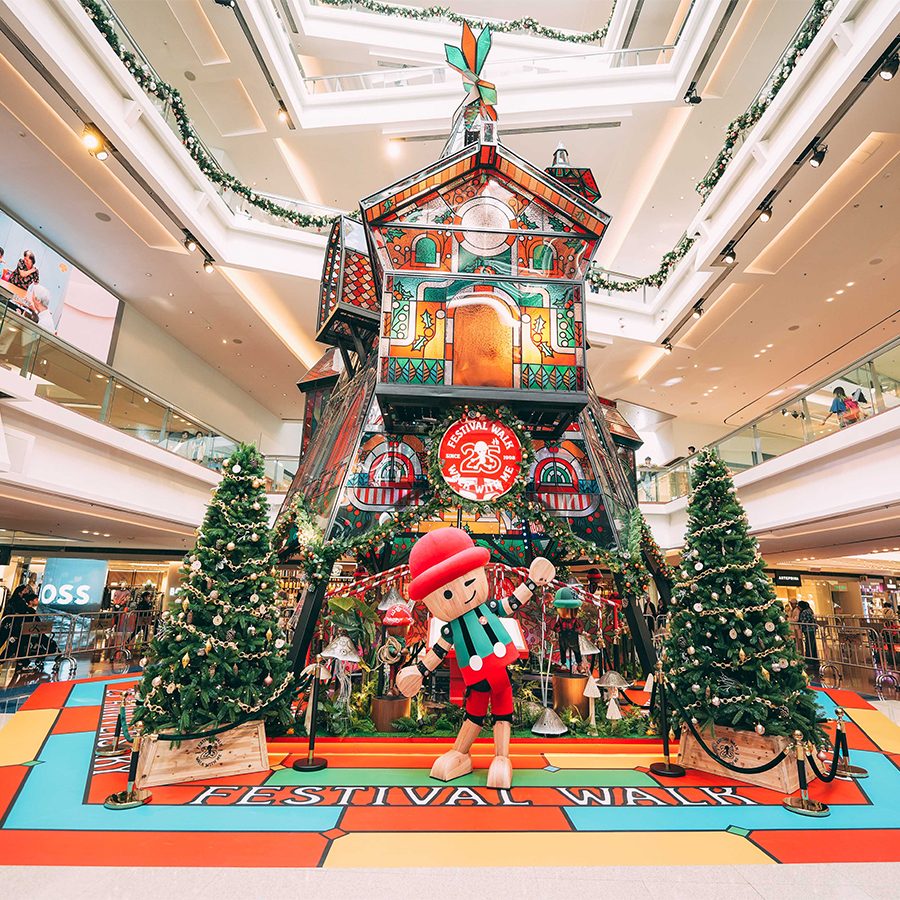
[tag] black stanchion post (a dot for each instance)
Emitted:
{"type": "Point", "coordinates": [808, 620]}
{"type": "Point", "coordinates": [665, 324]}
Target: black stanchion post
{"type": "Point", "coordinates": [845, 770]}
{"type": "Point", "coordinates": [131, 797]}
{"type": "Point", "coordinates": [311, 763]}
{"type": "Point", "coordinates": [666, 769]}
{"type": "Point", "coordinates": [803, 805]}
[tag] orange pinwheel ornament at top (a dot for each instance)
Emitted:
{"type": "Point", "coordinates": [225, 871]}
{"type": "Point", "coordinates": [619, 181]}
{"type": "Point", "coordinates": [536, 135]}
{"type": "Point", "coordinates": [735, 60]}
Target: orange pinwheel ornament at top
{"type": "Point", "coordinates": [469, 60]}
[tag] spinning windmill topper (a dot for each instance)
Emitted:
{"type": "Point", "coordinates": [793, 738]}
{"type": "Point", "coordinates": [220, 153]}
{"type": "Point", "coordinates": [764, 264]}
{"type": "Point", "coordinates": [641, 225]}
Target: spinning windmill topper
{"type": "Point", "coordinates": [468, 60]}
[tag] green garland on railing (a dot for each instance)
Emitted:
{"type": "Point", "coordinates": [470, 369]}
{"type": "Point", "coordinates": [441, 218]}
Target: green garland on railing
{"type": "Point", "coordinates": [598, 281]}
{"type": "Point", "coordinates": [525, 24]}
{"type": "Point", "coordinates": [148, 82]}
{"type": "Point", "coordinates": [815, 19]}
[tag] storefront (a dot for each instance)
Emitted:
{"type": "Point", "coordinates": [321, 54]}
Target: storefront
{"type": "Point", "coordinates": [120, 582]}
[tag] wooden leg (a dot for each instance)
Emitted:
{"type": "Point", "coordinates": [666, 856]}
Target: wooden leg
{"type": "Point", "coordinates": [457, 762]}
{"type": "Point", "coordinates": [500, 772]}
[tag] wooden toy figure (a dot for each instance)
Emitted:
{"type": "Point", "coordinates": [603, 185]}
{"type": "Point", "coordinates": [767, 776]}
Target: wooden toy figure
{"type": "Point", "coordinates": [567, 604]}
{"type": "Point", "coordinates": [448, 575]}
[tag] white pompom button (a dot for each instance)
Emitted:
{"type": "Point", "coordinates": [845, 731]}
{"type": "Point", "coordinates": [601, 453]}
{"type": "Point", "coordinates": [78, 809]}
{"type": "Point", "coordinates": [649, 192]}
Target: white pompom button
{"type": "Point", "coordinates": [475, 663]}
{"type": "Point", "coordinates": [499, 649]}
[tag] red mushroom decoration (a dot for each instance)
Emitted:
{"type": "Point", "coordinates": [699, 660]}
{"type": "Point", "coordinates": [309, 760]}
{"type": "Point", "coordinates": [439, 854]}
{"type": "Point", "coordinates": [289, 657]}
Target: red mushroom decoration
{"type": "Point", "coordinates": [397, 619]}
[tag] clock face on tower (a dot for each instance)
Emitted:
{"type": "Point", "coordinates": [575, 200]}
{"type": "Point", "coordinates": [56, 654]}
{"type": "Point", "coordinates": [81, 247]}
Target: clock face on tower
{"type": "Point", "coordinates": [486, 224]}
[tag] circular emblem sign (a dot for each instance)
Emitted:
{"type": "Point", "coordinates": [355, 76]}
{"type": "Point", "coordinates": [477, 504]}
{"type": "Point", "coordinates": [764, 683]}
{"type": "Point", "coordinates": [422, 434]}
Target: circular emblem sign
{"type": "Point", "coordinates": [480, 458]}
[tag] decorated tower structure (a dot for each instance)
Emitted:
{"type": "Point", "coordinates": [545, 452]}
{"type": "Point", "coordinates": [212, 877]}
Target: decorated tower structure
{"type": "Point", "coordinates": [457, 308]}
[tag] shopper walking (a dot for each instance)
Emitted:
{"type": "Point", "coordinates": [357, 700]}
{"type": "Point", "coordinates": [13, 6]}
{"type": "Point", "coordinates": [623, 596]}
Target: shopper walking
{"type": "Point", "coordinates": [807, 622]}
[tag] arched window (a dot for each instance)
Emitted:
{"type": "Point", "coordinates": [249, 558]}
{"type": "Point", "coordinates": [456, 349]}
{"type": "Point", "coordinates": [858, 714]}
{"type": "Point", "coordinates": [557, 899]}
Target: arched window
{"type": "Point", "coordinates": [426, 251]}
{"type": "Point", "coordinates": [542, 257]}
{"type": "Point", "coordinates": [556, 473]}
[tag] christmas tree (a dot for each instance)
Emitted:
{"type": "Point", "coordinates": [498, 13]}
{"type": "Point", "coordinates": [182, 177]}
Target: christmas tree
{"type": "Point", "coordinates": [219, 656]}
{"type": "Point", "coordinates": [729, 656]}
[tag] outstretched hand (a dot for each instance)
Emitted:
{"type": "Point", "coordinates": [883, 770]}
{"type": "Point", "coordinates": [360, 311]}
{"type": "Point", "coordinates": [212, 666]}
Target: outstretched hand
{"type": "Point", "coordinates": [541, 571]}
{"type": "Point", "coordinates": [409, 681]}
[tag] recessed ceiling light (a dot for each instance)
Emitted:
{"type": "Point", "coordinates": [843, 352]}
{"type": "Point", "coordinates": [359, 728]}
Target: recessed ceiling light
{"type": "Point", "coordinates": [224, 340]}
{"type": "Point", "coordinates": [105, 534]}
{"type": "Point", "coordinates": [850, 283]}
{"type": "Point", "coordinates": [841, 291]}
{"type": "Point", "coordinates": [829, 299]}
{"type": "Point", "coordinates": [190, 312]}
{"type": "Point", "coordinates": [770, 346]}
{"type": "Point", "coordinates": [756, 356]}
{"type": "Point", "coordinates": [85, 531]}
{"type": "Point", "coordinates": [103, 217]}
{"type": "Point", "coordinates": [95, 533]}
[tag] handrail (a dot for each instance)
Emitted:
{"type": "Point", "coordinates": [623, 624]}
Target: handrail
{"type": "Point", "coordinates": [400, 76]}
{"type": "Point", "coordinates": [795, 422]}
{"type": "Point", "coordinates": [234, 202]}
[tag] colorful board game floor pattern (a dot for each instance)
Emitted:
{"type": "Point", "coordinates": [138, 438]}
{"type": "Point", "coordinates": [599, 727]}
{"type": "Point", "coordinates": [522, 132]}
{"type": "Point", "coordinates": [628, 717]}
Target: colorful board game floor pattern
{"type": "Point", "coordinates": [590, 802]}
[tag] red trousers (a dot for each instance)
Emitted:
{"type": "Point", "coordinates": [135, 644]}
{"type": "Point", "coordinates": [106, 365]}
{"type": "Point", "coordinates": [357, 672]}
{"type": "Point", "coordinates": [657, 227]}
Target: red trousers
{"type": "Point", "coordinates": [494, 688]}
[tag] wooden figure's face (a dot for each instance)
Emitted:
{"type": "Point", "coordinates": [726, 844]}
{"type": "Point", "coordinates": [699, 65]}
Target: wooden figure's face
{"type": "Point", "coordinates": [567, 612]}
{"type": "Point", "coordinates": [457, 597]}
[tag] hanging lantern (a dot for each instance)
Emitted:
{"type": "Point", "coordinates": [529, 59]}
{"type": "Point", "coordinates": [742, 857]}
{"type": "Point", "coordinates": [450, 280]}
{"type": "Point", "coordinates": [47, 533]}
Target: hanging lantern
{"type": "Point", "coordinates": [392, 598]}
{"type": "Point", "coordinates": [341, 648]}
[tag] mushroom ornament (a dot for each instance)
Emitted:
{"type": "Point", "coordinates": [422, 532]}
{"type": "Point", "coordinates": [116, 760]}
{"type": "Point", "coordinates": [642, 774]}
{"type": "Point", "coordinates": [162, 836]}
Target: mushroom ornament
{"type": "Point", "coordinates": [448, 575]}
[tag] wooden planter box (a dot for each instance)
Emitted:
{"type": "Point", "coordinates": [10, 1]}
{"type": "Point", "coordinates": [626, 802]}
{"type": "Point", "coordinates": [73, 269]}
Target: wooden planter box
{"type": "Point", "coordinates": [236, 752]}
{"type": "Point", "coordinates": [743, 748]}
{"type": "Point", "coordinates": [568, 693]}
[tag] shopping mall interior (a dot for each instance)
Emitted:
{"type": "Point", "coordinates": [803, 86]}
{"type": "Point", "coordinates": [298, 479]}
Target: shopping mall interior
{"type": "Point", "coordinates": [351, 471]}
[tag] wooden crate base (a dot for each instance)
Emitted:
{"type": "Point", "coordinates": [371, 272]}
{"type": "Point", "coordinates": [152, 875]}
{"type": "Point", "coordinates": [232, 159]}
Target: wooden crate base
{"type": "Point", "coordinates": [236, 752]}
{"type": "Point", "coordinates": [742, 748]}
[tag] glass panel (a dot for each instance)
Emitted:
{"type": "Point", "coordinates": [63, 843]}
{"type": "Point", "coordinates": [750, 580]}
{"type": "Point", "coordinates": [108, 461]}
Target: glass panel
{"type": "Point", "coordinates": [136, 414]}
{"type": "Point", "coordinates": [887, 374]}
{"type": "Point", "coordinates": [739, 450]}
{"type": "Point", "coordinates": [782, 431]}
{"type": "Point", "coordinates": [17, 337]}
{"type": "Point", "coordinates": [65, 379]}
{"type": "Point", "coordinates": [280, 471]}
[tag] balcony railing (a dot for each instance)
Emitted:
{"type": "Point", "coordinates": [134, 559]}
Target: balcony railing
{"type": "Point", "coordinates": [235, 202]}
{"type": "Point", "coordinates": [80, 383]}
{"type": "Point", "coordinates": [873, 382]}
{"type": "Point", "coordinates": [505, 71]}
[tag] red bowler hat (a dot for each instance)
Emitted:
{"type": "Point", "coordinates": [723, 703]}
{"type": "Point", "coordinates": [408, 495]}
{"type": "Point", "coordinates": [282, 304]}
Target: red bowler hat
{"type": "Point", "coordinates": [440, 556]}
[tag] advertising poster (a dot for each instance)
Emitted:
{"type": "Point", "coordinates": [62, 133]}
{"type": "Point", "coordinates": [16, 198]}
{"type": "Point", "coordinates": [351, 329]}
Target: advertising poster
{"type": "Point", "coordinates": [68, 303]}
{"type": "Point", "coordinates": [73, 585]}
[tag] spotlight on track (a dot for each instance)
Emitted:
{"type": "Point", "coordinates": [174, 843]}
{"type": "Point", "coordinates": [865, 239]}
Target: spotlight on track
{"type": "Point", "coordinates": [91, 138]}
{"type": "Point", "coordinates": [818, 156]}
{"type": "Point", "coordinates": [697, 313]}
{"type": "Point", "coordinates": [283, 115]}
{"type": "Point", "coordinates": [765, 213]}
{"type": "Point", "coordinates": [728, 256]}
{"type": "Point", "coordinates": [692, 98]}
{"type": "Point", "coordinates": [667, 346]}
{"type": "Point", "coordinates": [208, 266]}
{"type": "Point", "coordinates": [889, 69]}
{"type": "Point", "coordinates": [189, 243]}
{"type": "Point", "coordinates": [94, 142]}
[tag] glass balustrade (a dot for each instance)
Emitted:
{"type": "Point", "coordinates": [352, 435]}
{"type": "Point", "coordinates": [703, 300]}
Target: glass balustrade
{"type": "Point", "coordinates": [872, 384]}
{"type": "Point", "coordinates": [77, 382]}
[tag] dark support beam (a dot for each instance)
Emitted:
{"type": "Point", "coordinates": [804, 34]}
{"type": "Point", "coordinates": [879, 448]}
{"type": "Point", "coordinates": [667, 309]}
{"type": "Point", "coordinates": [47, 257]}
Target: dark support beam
{"type": "Point", "coordinates": [310, 607]}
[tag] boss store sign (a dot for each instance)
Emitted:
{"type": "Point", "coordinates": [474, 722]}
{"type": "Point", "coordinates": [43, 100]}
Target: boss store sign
{"type": "Point", "coordinates": [73, 584]}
